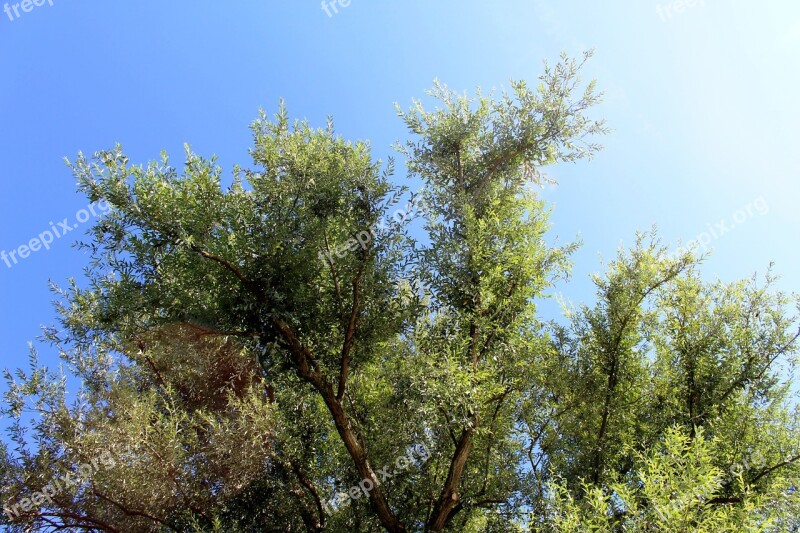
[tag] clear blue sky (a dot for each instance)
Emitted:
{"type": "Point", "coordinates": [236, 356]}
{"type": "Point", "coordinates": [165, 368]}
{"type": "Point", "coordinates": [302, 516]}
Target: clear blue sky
{"type": "Point", "coordinates": [702, 100]}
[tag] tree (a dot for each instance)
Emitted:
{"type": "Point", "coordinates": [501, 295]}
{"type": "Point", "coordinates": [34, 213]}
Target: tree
{"type": "Point", "coordinates": [667, 395]}
{"type": "Point", "coordinates": [286, 354]}
{"type": "Point", "coordinates": [671, 492]}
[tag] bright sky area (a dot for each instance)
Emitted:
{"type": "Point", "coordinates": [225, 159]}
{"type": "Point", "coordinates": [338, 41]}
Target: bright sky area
{"type": "Point", "coordinates": [701, 95]}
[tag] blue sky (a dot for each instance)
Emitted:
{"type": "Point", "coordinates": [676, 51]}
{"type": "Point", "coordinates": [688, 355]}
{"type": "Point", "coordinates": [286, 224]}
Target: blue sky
{"type": "Point", "coordinates": [702, 101]}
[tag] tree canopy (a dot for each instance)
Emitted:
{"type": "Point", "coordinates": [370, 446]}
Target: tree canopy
{"type": "Point", "coordinates": [302, 350]}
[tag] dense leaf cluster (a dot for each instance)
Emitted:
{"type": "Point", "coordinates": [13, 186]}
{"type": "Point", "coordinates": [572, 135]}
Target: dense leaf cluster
{"type": "Point", "coordinates": [247, 353]}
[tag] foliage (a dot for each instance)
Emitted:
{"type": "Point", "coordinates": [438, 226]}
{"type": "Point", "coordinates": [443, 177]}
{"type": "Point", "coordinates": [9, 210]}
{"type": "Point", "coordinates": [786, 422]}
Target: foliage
{"type": "Point", "coordinates": [246, 354]}
{"type": "Point", "coordinates": [672, 491]}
